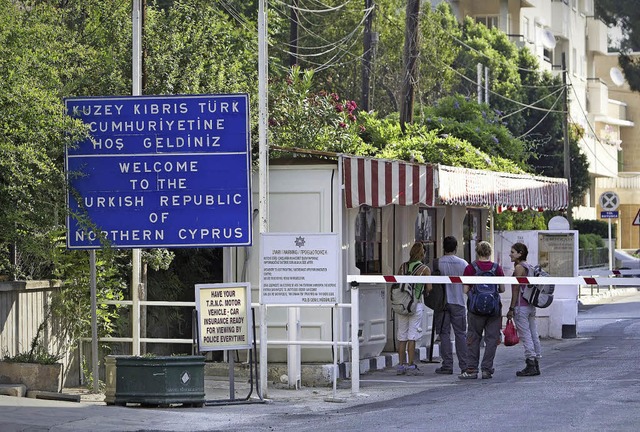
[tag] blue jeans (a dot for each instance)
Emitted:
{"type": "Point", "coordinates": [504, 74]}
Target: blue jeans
{"type": "Point", "coordinates": [453, 316]}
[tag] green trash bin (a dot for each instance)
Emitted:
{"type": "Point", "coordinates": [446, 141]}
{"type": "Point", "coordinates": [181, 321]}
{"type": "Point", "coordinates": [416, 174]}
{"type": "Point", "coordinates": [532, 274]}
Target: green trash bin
{"type": "Point", "coordinates": [155, 380]}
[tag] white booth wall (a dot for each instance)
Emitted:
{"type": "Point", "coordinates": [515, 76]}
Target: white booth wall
{"type": "Point", "coordinates": [557, 252]}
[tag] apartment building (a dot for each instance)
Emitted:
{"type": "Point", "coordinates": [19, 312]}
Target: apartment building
{"type": "Point", "coordinates": [567, 33]}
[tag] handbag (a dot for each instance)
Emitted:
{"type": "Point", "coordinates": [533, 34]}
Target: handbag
{"type": "Point", "coordinates": [510, 334]}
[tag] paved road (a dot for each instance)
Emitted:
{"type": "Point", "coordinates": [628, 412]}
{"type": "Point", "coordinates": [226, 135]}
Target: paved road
{"type": "Point", "coordinates": [587, 384]}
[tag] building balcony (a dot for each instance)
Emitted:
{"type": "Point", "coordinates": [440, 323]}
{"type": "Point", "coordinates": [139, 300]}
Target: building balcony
{"type": "Point", "coordinates": [601, 156]}
{"type": "Point", "coordinates": [597, 97]}
{"type": "Point", "coordinates": [560, 13]}
{"type": "Point", "coordinates": [597, 35]}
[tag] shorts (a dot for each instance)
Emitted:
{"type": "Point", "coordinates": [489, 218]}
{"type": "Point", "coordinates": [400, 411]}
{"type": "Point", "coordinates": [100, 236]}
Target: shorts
{"type": "Point", "coordinates": [409, 327]}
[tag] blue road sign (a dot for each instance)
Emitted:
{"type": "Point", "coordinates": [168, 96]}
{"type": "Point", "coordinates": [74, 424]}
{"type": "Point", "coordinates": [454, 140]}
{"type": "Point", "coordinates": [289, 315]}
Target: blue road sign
{"type": "Point", "coordinates": [160, 171]}
{"type": "Point", "coordinates": [611, 214]}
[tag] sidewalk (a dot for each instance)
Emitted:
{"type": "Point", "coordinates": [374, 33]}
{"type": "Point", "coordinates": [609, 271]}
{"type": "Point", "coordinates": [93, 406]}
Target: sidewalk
{"type": "Point", "coordinates": [217, 388]}
{"type": "Point", "coordinates": [598, 294]}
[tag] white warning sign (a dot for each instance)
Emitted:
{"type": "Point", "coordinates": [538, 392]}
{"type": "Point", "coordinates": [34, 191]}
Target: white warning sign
{"type": "Point", "coordinates": [223, 316]}
{"type": "Point", "coordinates": [299, 268]}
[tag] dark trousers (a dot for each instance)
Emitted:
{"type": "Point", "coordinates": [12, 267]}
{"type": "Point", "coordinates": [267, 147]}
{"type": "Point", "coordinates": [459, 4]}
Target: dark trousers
{"type": "Point", "coordinates": [490, 327]}
{"type": "Point", "coordinates": [453, 316]}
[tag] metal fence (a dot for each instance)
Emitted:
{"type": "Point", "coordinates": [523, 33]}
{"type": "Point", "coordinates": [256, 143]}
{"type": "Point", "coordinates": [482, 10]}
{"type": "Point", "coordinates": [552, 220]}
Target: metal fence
{"type": "Point", "coordinates": [589, 258]}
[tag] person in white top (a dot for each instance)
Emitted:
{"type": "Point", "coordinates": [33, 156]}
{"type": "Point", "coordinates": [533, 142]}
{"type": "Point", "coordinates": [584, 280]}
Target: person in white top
{"type": "Point", "coordinates": [454, 314]}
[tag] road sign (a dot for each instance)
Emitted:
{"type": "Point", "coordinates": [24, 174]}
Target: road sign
{"type": "Point", "coordinates": [160, 171]}
{"type": "Point", "coordinates": [609, 201]}
{"type": "Point", "coordinates": [636, 220]}
{"type": "Point", "coordinates": [609, 214]}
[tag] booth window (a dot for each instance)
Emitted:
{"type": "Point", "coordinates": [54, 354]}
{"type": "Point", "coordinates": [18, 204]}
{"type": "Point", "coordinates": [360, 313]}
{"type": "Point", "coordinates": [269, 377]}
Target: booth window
{"type": "Point", "coordinates": [426, 232]}
{"type": "Point", "coordinates": [369, 240]}
{"type": "Point", "coordinates": [472, 233]}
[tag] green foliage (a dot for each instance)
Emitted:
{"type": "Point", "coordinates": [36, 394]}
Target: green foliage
{"type": "Point", "coordinates": [590, 241]}
{"type": "Point", "coordinates": [422, 145]}
{"type": "Point", "coordinates": [209, 53]}
{"type": "Point", "coordinates": [526, 220]}
{"type": "Point", "coordinates": [592, 226]}
{"type": "Point", "coordinates": [38, 355]}
{"type": "Point", "coordinates": [318, 121]}
{"type": "Point", "coordinates": [476, 123]}
{"type": "Point", "coordinates": [87, 372]}
{"type": "Point", "coordinates": [33, 131]}
{"type": "Point", "coordinates": [71, 305]}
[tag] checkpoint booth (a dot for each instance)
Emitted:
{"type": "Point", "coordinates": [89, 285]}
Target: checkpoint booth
{"type": "Point", "coordinates": [378, 208]}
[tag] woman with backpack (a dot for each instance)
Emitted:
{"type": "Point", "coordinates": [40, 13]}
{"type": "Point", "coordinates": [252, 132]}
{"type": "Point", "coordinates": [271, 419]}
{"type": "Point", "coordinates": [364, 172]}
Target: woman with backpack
{"type": "Point", "coordinates": [524, 313]}
{"type": "Point", "coordinates": [484, 313]}
{"type": "Point", "coordinates": [409, 327]}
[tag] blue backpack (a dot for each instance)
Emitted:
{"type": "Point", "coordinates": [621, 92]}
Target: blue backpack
{"type": "Point", "coordinates": [484, 299]}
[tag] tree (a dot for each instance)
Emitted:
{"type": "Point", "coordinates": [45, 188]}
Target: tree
{"type": "Point", "coordinates": [33, 133]}
{"type": "Point", "coordinates": [626, 16]}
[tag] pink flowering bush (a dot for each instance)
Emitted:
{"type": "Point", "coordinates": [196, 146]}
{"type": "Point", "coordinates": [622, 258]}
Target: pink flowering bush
{"type": "Point", "coordinates": [322, 121]}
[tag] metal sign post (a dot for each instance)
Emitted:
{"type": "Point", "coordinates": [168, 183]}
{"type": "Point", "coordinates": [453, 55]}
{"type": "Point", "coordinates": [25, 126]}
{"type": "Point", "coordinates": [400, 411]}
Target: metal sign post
{"type": "Point", "coordinates": [609, 201]}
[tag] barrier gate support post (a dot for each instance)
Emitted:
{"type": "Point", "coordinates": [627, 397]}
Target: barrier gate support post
{"type": "Point", "coordinates": [355, 339]}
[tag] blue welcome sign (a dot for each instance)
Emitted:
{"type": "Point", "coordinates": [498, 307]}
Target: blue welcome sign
{"type": "Point", "coordinates": [160, 171]}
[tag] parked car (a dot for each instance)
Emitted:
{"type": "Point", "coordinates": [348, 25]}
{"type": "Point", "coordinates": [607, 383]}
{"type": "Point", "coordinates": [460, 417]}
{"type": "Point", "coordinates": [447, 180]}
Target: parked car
{"type": "Point", "coordinates": [625, 260]}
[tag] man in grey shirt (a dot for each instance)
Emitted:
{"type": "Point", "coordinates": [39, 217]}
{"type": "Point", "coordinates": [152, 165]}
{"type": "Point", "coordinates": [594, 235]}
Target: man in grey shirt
{"type": "Point", "coordinates": [454, 314]}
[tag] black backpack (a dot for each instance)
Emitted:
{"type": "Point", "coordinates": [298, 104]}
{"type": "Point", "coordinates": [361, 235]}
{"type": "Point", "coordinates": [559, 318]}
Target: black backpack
{"type": "Point", "coordinates": [484, 299]}
{"type": "Point", "coordinates": [436, 299]}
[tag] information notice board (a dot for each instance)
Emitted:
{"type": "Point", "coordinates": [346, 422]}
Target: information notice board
{"type": "Point", "coordinates": [299, 268]}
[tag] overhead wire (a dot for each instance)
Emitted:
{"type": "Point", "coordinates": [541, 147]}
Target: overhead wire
{"type": "Point", "coordinates": [597, 138]}
{"type": "Point", "coordinates": [327, 7]}
{"type": "Point", "coordinates": [331, 46]}
{"type": "Point", "coordinates": [543, 117]}
{"type": "Point", "coordinates": [525, 105]}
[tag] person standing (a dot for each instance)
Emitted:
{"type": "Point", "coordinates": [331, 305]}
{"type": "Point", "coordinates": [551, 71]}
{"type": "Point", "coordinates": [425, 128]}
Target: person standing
{"type": "Point", "coordinates": [454, 313]}
{"type": "Point", "coordinates": [409, 327]}
{"type": "Point", "coordinates": [478, 324]}
{"type": "Point", "coordinates": [524, 313]}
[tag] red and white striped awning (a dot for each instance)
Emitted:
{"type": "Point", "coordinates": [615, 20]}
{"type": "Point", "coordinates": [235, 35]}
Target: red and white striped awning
{"type": "Point", "coordinates": [466, 186]}
{"type": "Point", "coordinates": [381, 182]}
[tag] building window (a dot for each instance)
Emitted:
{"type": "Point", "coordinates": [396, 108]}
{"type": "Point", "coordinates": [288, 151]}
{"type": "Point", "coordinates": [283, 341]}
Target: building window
{"type": "Point", "coordinates": [426, 232]}
{"type": "Point", "coordinates": [525, 29]}
{"type": "Point", "coordinates": [369, 240]}
{"type": "Point", "coordinates": [488, 20]}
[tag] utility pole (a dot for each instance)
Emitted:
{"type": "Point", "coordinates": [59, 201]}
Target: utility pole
{"type": "Point", "coordinates": [370, 39]}
{"type": "Point", "coordinates": [479, 81]}
{"type": "Point", "coordinates": [263, 168]}
{"type": "Point", "coordinates": [411, 53]}
{"type": "Point", "coordinates": [486, 85]}
{"type": "Point", "coordinates": [565, 135]}
{"type": "Point", "coordinates": [293, 34]}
